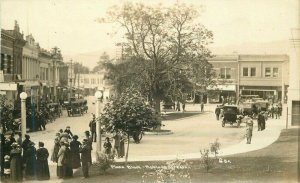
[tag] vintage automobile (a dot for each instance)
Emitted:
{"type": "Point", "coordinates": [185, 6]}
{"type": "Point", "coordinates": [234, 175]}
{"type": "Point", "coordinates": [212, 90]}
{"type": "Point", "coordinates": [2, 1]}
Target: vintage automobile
{"type": "Point", "coordinates": [231, 115]}
{"type": "Point", "coordinates": [55, 109]}
{"type": "Point", "coordinates": [74, 108]}
{"type": "Point", "coordinates": [83, 105]}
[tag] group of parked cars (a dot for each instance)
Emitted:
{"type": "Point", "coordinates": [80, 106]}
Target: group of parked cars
{"type": "Point", "coordinates": [233, 114]}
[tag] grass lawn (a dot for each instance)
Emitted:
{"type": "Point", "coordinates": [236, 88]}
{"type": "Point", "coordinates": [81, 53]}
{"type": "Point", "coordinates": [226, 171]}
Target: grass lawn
{"type": "Point", "coordinates": [275, 163]}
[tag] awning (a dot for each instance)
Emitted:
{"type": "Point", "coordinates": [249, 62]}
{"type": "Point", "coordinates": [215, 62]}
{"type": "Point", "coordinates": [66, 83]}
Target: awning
{"type": "Point", "coordinates": [222, 87]}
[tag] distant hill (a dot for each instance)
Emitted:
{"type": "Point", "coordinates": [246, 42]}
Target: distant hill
{"type": "Point", "coordinates": [275, 47]}
{"type": "Point", "coordinates": [90, 59]}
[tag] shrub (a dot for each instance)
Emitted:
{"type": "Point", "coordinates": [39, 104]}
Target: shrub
{"type": "Point", "coordinates": [215, 147]}
{"type": "Point", "coordinates": [206, 161]}
{"type": "Point", "coordinates": [105, 161]}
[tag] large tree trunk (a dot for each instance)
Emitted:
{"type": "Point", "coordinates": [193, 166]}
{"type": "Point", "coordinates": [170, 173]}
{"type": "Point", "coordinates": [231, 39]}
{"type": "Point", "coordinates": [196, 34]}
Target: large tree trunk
{"type": "Point", "coordinates": [157, 109]}
{"type": "Point", "coordinates": [127, 150]}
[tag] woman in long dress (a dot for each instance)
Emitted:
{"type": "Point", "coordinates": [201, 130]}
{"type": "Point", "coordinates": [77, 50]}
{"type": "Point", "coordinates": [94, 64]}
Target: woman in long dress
{"type": "Point", "coordinates": [74, 147]}
{"type": "Point", "coordinates": [15, 163]}
{"type": "Point", "coordinates": [30, 158]}
{"type": "Point", "coordinates": [60, 160]}
{"type": "Point", "coordinates": [42, 155]}
{"type": "Point", "coordinates": [67, 164]}
{"type": "Point", "coordinates": [56, 148]}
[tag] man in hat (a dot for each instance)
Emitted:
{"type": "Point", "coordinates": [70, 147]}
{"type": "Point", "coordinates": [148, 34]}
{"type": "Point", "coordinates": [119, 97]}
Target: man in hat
{"type": "Point", "coordinates": [85, 151]}
{"type": "Point", "coordinates": [92, 126]}
{"type": "Point", "coordinates": [89, 143]}
{"type": "Point", "coordinates": [68, 131]}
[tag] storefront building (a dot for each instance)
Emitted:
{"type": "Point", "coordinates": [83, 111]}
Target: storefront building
{"type": "Point", "coordinates": [262, 75]}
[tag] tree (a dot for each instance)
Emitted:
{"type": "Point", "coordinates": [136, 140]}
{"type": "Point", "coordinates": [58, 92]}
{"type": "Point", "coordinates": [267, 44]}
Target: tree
{"type": "Point", "coordinates": [6, 115]}
{"type": "Point", "coordinates": [167, 42]}
{"type": "Point", "coordinates": [104, 58]}
{"type": "Point", "coordinates": [128, 113]}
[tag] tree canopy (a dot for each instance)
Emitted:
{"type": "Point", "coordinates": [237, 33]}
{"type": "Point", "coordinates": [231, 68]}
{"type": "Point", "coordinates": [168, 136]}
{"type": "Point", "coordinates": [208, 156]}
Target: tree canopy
{"type": "Point", "coordinates": [166, 50]}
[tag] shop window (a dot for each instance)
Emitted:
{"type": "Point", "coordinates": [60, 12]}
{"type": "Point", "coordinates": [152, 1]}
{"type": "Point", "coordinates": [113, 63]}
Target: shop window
{"type": "Point", "coordinates": [275, 72]}
{"type": "Point", "coordinates": [253, 71]}
{"type": "Point", "coordinates": [245, 71]}
{"type": "Point", "coordinates": [267, 72]}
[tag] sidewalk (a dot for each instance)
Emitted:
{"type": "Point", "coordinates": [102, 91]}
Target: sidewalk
{"type": "Point", "coordinates": [260, 139]}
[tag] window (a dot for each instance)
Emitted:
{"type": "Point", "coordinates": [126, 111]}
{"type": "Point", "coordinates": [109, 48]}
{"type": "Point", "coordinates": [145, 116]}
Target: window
{"type": "Point", "coordinates": [253, 71]}
{"type": "Point", "coordinates": [2, 62]}
{"type": "Point", "coordinates": [275, 72]}
{"type": "Point", "coordinates": [8, 66]}
{"type": "Point", "coordinates": [245, 71]}
{"type": "Point", "coordinates": [267, 72]}
{"type": "Point", "coordinates": [225, 73]}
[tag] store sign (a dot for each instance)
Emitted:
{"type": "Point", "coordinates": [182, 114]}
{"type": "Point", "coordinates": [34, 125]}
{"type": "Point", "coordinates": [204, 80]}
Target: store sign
{"type": "Point", "coordinates": [8, 86]}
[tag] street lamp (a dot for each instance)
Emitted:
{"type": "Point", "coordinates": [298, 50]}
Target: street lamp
{"type": "Point", "coordinates": [23, 97]}
{"type": "Point", "coordinates": [98, 96]}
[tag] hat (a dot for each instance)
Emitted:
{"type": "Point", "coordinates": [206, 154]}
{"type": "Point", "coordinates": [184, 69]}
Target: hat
{"type": "Point", "coordinates": [15, 144]}
{"type": "Point", "coordinates": [84, 141]}
{"type": "Point", "coordinates": [6, 157]}
{"type": "Point", "coordinates": [68, 127]}
{"type": "Point", "coordinates": [27, 136]}
{"type": "Point", "coordinates": [41, 144]}
{"type": "Point", "coordinates": [75, 137]}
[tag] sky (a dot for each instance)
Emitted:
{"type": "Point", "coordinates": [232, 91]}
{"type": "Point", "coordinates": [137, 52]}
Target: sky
{"type": "Point", "coordinates": [71, 25]}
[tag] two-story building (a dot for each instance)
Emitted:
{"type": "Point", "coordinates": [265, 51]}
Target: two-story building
{"type": "Point", "coordinates": [12, 43]}
{"type": "Point", "coordinates": [263, 75]}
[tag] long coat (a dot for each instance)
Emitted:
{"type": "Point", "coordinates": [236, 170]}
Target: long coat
{"type": "Point", "coordinates": [74, 147]}
{"type": "Point", "coordinates": [42, 155]}
{"type": "Point", "coordinates": [15, 165]}
{"type": "Point", "coordinates": [55, 150]}
{"type": "Point", "coordinates": [85, 151]}
{"type": "Point", "coordinates": [30, 159]}
{"type": "Point", "coordinates": [67, 164]}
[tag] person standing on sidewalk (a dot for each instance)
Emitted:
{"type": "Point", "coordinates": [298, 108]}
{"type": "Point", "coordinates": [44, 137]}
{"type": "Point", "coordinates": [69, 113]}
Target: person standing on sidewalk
{"type": "Point", "coordinates": [261, 121]}
{"type": "Point", "coordinates": [85, 157]}
{"type": "Point", "coordinates": [217, 112]}
{"type": "Point", "coordinates": [249, 128]}
{"type": "Point", "coordinates": [202, 106]}
{"type": "Point", "coordinates": [92, 126]}
{"type": "Point", "coordinates": [117, 139]}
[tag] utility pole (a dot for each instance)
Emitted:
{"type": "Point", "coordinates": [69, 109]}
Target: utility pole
{"type": "Point", "coordinates": [71, 75]}
{"type": "Point", "coordinates": [78, 71]}
{"type": "Point", "coordinates": [54, 57]}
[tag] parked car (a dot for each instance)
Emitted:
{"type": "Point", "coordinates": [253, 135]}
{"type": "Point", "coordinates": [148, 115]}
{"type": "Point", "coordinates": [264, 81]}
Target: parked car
{"type": "Point", "coordinates": [231, 115]}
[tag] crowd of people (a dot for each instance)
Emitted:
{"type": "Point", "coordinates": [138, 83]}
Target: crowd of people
{"type": "Point", "coordinates": [21, 159]}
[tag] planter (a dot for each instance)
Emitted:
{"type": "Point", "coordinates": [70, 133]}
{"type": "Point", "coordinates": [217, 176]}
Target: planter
{"type": "Point", "coordinates": [159, 132]}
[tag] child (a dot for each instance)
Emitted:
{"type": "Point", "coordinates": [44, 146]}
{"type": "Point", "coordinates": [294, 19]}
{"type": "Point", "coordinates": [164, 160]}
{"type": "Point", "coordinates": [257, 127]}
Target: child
{"type": "Point", "coordinates": [6, 166]}
{"type": "Point", "coordinates": [107, 146]}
